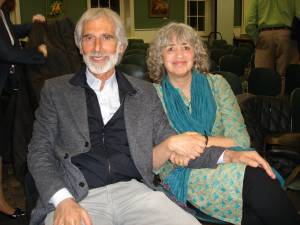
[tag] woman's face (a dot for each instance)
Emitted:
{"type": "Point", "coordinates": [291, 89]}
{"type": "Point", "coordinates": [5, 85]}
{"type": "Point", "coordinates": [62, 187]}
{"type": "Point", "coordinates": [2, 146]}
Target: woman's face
{"type": "Point", "coordinates": [178, 59]}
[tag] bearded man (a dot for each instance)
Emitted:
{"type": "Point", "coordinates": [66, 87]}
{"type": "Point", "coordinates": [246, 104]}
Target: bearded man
{"type": "Point", "coordinates": [99, 135]}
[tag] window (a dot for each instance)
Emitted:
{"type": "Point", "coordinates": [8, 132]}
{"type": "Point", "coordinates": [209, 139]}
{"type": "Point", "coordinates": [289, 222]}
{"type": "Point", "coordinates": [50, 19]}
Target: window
{"type": "Point", "coordinates": [112, 4]}
{"type": "Point", "coordinates": [196, 14]}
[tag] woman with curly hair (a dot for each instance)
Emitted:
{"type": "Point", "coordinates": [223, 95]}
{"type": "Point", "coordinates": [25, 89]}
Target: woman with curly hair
{"type": "Point", "coordinates": [237, 190]}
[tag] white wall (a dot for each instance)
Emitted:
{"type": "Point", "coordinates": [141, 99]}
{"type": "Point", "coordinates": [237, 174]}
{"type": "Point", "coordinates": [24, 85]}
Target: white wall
{"type": "Point", "coordinates": [225, 11]}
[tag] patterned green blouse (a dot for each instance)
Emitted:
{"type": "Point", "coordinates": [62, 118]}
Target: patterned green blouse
{"type": "Point", "coordinates": [218, 191]}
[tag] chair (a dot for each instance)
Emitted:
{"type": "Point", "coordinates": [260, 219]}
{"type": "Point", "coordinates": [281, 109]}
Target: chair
{"type": "Point", "coordinates": [31, 194]}
{"type": "Point", "coordinates": [213, 66]}
{"type": "Point", "coordinates": [134, 40]}
{"type": "Point", "coordinates": [134, 70]}
{"type": "Point", "coordinates": [264, 81]}
{"type": "Point", "coordinates": [138, 45]}
{"type": "Point", "coordinates": [292, 78]}
{"type": "Point", "coordinates": [216, 54]}
{"type": "Point", "coordinates": [244, 53]}
{"type": "Point", "coordinates": [136, 59]}
{"type": "Point", "coordinates": [232, 63]}
{"type": "Point", "coordinates": [135, 51]}
{"type": "Point", "coordinates": [247, 45]}
{"type": "Point", "coordinates": [215, 35]}
{"type": "Point", "coordinates": [264, 115]}
{"type": "Point", "coordinates": [219, 44]}
{"type": "Point", "coordinates": [252, 61]}
{"type": "Point", "coordinates": [287, 145]}
{"type": "Point", "coordinates": [295, 103]}
{"type": "Point", "coordinates": [233, 80]}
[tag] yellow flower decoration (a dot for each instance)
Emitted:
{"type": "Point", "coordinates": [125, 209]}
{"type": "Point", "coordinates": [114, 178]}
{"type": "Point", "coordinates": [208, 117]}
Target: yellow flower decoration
{"type": "Point", "coordinates": [56, 8]}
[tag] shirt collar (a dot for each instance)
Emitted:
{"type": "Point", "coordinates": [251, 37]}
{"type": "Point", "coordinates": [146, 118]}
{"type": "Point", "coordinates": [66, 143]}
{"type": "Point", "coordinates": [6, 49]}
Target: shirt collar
{"type": "Point", "coordinates": [80, 79]}
{"type": "Point", "coordinates": [95, 83]}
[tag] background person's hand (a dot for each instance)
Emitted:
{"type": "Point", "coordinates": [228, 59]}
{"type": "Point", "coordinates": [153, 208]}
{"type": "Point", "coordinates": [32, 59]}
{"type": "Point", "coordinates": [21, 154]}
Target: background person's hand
{"type": "Point", "coordinates": [69, 212]}
{"type": "Point", "coordinates": [250, 158]}
{"type": "Point", "coordinates": [43, 49]}
{"type": "Point", "coordinates": [188, 144]}
{"type": "Point", "coordinates": [38, 18]}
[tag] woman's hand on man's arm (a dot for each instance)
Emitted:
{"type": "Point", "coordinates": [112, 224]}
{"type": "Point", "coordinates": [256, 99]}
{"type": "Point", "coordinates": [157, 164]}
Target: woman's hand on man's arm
{"type": "Point", "coordinates": [250, 158]}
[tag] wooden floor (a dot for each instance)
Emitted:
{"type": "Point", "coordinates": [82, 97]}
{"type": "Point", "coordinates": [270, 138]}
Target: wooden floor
{"type": "Point", "coordinates": [15, 196]}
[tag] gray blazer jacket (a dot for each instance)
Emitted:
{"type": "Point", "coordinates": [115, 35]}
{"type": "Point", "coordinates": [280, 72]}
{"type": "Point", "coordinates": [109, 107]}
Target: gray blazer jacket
{"type": "Point", "coordinates": [61, 131]}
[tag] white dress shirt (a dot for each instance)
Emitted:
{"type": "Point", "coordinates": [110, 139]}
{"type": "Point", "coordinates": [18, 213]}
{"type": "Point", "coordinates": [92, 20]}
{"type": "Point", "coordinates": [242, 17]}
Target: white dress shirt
{"type": "Point", "coordinates": [108, 97]}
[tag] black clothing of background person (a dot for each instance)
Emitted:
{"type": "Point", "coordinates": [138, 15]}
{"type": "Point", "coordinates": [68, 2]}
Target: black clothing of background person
{"type": "Point", "coordinates": [295, 32]}
{"type": "Point", "coordinates": [63, 55]}
{"type": "Point", "coordinates": [12, 59]}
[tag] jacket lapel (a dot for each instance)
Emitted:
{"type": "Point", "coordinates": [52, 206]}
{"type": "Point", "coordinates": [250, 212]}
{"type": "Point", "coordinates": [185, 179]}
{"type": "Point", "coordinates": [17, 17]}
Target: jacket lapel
{"type": "Point", "coordinates": [76, 101]}
{"type": "Point", "coordinates": [134, 120]}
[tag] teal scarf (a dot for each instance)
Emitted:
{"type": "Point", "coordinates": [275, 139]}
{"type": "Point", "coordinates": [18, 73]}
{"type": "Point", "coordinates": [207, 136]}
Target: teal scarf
{"type": "Point", "coordinates": [200, 119]}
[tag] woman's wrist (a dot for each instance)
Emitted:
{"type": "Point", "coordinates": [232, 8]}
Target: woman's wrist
{"type": "Point", "coordinates": [205, 140]}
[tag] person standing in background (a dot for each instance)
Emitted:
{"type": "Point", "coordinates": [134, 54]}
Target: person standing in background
{"type": "Point", "coordinates": [268, 22]}
{"type": "Point", "coordinates": [12, 58]}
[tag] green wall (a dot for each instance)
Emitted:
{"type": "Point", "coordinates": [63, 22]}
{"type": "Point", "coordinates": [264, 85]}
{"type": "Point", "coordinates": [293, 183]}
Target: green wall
{"type": "Point", "coordinates": [29, 8]}
{"type": "Point", "coordinates": [141, 14]}
{"type": "Point", "coordinates": [73, 9]}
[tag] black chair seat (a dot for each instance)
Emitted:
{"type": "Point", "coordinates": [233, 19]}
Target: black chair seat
{"type": "Point", "coordinates": [264, 81]}
{"type": "Point", "coordinates": [286, 139]}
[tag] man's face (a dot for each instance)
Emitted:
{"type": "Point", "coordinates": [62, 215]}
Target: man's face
{"type": "Point", "coordinates": [100, 48]}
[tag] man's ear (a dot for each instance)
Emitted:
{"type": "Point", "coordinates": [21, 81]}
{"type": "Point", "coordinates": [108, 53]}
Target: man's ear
{"type": "Point", "coordinates": [121, 49]}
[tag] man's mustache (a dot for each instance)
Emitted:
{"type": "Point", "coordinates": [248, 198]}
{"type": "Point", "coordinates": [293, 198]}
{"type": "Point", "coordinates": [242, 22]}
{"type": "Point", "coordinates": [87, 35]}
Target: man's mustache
{"type": "Point", "coordinates": [98, 54]}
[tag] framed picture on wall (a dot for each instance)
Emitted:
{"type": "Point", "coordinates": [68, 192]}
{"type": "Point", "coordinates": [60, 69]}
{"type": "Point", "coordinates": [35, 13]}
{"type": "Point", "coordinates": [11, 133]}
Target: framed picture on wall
{"type": "Point", "coordinates": [159, 8]}
{"type": "Point", "coordinates": [55, 8]}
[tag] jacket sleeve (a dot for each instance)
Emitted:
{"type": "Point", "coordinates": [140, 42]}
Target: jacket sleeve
{"type": "Point", "coordinates": [208, 159]}
{"type": "Point", "coordinates": [162, 127]}
{"type": "Point", "coordinates": [41, 159]}
{"type": "Point", "coordinates": [11, 54]}
{"type": "Point", "coordinates": [21, 30]}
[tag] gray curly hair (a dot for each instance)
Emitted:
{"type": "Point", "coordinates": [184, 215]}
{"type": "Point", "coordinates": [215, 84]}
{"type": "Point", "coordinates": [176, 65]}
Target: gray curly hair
{"type": "Point", "coordinates": [164, 36]}
{"type": "Point", "coordinates": [95, 13]}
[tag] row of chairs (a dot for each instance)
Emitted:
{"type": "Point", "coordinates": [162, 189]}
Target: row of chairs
{"type": "Point", "coordinates": [260, 81]}
{"type": "Point", "coordinates": [274, 127]}
{"type": "Point", "coordinates": [237, 59]}
{"type": "Point", "coordinates": [263, 81]}
{"type": "Point", "coordinates": [243, 52]}
{"type": "Point", "coordinates": [134, 60]}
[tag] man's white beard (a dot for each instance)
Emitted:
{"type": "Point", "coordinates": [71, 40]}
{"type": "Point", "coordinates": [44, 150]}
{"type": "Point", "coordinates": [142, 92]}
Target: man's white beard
{"type": "Point", "coordinates": [95, 68]}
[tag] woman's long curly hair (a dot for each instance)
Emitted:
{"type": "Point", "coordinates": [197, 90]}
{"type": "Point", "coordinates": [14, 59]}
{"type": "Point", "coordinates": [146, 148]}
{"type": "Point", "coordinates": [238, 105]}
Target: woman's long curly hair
{"type": "Point", "coordinates": [164, 36]}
